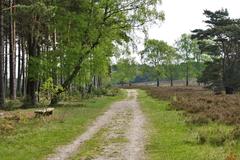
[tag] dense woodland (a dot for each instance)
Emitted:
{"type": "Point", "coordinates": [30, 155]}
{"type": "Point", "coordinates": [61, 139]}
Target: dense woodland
{"type": "Point", "coordinates": [67, 44]}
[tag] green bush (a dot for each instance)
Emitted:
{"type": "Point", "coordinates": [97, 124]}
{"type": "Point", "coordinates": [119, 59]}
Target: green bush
{"type": "Point", "coordinates": [197, 120]}
{"type": "Point", "coordinates": [213, 134]}
{"type": "Point", "coordinates": [106, 92]}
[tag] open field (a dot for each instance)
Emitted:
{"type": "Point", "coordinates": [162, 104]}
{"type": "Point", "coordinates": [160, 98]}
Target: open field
{"type": "Point", "coordinates": [24, 137]}
{"type": "Point", "coordinates": [171, 138]}
{"type": "Point", "coordinates": [159, 123]}
{"type": "Point", "coordinates": [200, 104]}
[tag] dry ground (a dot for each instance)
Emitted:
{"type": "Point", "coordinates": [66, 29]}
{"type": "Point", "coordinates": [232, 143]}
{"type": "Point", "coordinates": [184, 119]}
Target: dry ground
{"type": "Point", "coordinates": [123, 120]}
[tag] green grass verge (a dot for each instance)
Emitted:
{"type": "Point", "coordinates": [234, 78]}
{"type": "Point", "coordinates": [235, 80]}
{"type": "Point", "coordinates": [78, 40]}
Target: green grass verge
{"type": "Point", "coordinates": [35, 139]}
{"type": "Point", "coordinates": [170, 138]}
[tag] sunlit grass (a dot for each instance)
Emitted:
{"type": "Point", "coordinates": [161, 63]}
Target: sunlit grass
{"type": "Point", "coordinates": [170, 138]}
{"type": "Point", "coordinates": [35, 139]}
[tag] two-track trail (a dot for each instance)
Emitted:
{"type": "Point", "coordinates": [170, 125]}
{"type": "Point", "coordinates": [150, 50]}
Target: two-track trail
{"type": "Point", "coordinates": [123, 134]}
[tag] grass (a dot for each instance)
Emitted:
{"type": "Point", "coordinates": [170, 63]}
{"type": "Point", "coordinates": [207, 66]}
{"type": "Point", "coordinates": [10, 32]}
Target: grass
{"type": "Point", "coordinates": [36, 138]}
{"type": "Point", "coordinates": [91, 148]}
{"type": "Point", "coordinates": [170, 138]}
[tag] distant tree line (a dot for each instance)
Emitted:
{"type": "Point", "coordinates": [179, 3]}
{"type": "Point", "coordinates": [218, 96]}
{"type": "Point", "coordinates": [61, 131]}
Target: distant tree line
{"type": "Point", "coordinates": [161, 61]}
{"type": "Point", "coordinates": [125, 73]}
{"type": "Point", "coordinates": [210, 55]}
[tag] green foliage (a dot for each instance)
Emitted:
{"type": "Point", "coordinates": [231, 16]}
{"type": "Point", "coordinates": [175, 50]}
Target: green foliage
{"type": "Point", "coordinates": [222, 36]}
{"type": "Point", "coordinates": [155, 54]}
{"type": "Point", "coordinates": [188, 49]}
{"type": "Point", "coordinates": [163, 59]}
{"type": "Point", "coordinates": [90, 32]}
{"type": "Point", "coordinates": [106, 92]}
{"type": "Point", "coordinates": [191, 56]}
{"type": "Point", "coordinates": [48, 90]}
{"type": "Point", "coordinates": [72, 41]}
{"type": "Point", "coordinates": [125, 71]}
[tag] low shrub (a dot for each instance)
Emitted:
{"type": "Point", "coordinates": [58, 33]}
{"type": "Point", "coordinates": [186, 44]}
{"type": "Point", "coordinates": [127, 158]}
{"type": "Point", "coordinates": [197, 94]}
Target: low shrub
{"type": "Point", "coordinates": [10, 120]}
{"type": "Point", "coordinates": [214, 134]}
{"type": "Point", "coordinates": [113, 92]}
{"type": "Point", "coordinates": [106, 92]}
{"type": "Point", "coordinates": [235, 134]}
{"type": "Point", "coordinates": [200, 103]}
{"type": "Point", "coordinates": [6, 127]}
{"type": "Point", "coordinates": [197, 120]}
{"type": "Point", "coordinates": [231, 156]}
{"type": "Point", "coordinates": [13, 104]}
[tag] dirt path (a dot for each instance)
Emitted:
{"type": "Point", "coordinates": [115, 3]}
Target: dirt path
{"type": "Point", "coordinates": [123, 136]}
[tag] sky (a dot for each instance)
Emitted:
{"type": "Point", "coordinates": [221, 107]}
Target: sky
{"type": "Point", "coordinates": [182, 16]}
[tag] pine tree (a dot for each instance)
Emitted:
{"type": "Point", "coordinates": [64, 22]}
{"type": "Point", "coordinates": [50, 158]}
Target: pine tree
{"type": "Point", "coordinates": [2, 86]}
{"type": "Point", "coordinates": [12, 50]}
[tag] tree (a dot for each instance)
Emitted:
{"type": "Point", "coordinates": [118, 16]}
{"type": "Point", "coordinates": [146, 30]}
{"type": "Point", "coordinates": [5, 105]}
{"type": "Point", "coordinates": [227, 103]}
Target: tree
{"type": "Point", "coordinates": [70, 41]}
{"type": "Point", "coordinates": [33, 27]}
{"type": "Point", "coordinates": [223, 33]}
{"type": "Point", "coordinates": [2, 86]}
{"type": "Point", "coordinates": [189, 50]}
{"type": "Point", "coordinates": [125, 72]}
{"type": "Point", "coordinates": [102, 19]}
{"type": "Point", "coordinates": [154, 55]}
{"type": "Point", "coordinates": [12, 50]}
{"type": "Point", "coordinates": [170, 62]}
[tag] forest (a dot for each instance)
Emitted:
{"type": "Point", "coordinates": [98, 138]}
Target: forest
{"type": "Point", "coordinates": [86, 80]}
{"type": "Point", "coordinates": [69, 42]}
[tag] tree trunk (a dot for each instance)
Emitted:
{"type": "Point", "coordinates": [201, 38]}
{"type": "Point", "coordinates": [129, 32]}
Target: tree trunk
{"type": "Point", "coordinates": [171, 76]}
{"type": "Point", "coordinates": [75, 71]}
{"type": "Point", "coordinates": [23, 69]}
{"type": "Point", "coordinates": [19, 68]}
{"type": "Point", "coordinates": [95, 82]}
{"type": "Point", "coordinates": [6, 64]}
{"type": "Point", "coordinates": [12, 46]}
{"type": "Point", "coordinates": [99, 82]}
{"type": "Point", "coordinates": [187, 75]}
{"type": "Point", "coordinates": [229, 90]}
{"type": "Point", "coordinates": [54, 70]}
{"type": "Point", "coordinates": [171, 82]}
{"type": "Point", "coordinates": [32, 83]}
{"type": "Point", "coordinates": [2, 86]}
{"type": "Point", "coordinates": [158, 82]}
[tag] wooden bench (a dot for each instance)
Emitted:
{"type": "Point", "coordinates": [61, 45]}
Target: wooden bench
{"type": "Point", "coordinates": [44, 112]}
{"type": "Point", "coordinates": [1, 115]}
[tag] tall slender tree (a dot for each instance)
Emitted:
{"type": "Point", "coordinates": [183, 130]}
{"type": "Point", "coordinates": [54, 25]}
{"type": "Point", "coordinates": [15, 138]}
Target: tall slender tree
{"type": "Point", "coordinates": [2, 86]}
{"type": "Point", "coordinates": [23, 68]}
{"type": "Point", "coordinates": [12, 45]}
{"type": "Point", "coordinates": [6, 60]}
{"type": "Point", "coordinates": [19, 79]}
{"type": "Point", "coordinates": [154, 55]}
{"type": "Point", "coordinates": [189, 49]}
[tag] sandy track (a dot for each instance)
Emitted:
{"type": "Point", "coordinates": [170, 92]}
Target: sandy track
{"type": "Point", "coordinates": [125, 120]}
